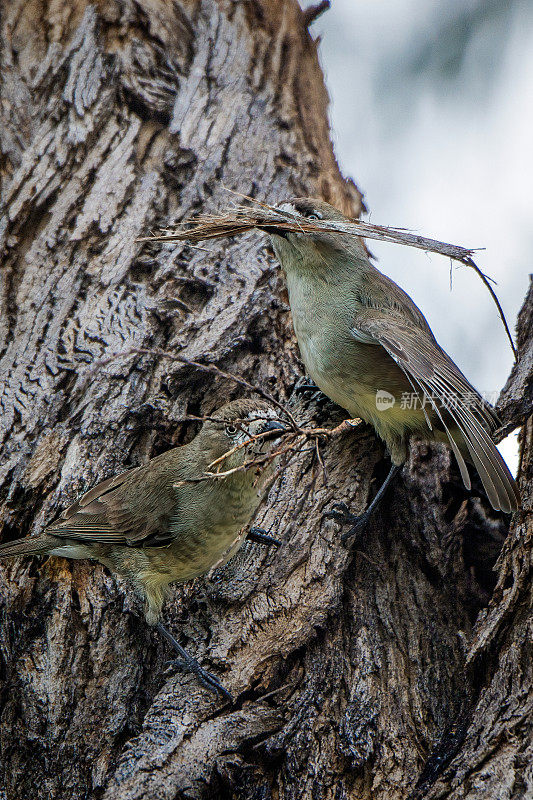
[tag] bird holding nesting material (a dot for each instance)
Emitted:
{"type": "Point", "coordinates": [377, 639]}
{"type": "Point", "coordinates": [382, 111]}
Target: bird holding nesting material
{"type": "Point", "coordinates": [364, 342]}
{"type": "Point", "coordinates": [165, 521]}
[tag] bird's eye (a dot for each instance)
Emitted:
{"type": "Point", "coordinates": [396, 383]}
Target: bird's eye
{"type": "Point", "coordinates": [231, 430]}
{"type": "Point", "coordinates": [313, 216]}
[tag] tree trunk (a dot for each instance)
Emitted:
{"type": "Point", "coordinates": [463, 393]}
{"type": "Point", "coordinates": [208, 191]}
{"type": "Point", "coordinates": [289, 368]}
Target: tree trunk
{"type": "Point", "coordinates": [356, 674]}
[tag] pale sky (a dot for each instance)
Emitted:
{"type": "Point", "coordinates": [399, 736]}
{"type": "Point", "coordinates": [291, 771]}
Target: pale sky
{"type": "Point", "coordinates": [432, 115]}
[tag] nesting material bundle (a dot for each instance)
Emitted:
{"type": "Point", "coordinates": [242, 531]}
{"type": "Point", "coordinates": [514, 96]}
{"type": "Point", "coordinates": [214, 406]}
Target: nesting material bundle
{"type": "Point", "coordinates": [240, 219]}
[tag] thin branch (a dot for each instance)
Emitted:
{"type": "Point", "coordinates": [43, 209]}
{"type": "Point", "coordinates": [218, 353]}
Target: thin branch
{"type": "Point", "coordinates": [240, 446]}
{"type": "Point", "coordinates": [296, 440]}
{"type": "Point", "coordinates": [212, 368]}
{"type": "Point", "coordinates": [321, 462]}
{"type": "Point", "coordinates": [487, 281]}
{"type": "Point", "coordinates": [242, 219]}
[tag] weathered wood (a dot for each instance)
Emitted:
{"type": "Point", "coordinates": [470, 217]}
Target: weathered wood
{"type": "Point", "coordinates": [496, 756]}
{"type": "Point", "coordinates": [516, 401]}
{"type": "Point", "coordinates": [348, 667]}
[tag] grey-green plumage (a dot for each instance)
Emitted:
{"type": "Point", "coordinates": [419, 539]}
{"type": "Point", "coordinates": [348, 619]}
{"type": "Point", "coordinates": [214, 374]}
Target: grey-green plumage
{"type": "Point", "coordinates": [360, 334]}
{"type": "Point", "coordinates": [153, 532]}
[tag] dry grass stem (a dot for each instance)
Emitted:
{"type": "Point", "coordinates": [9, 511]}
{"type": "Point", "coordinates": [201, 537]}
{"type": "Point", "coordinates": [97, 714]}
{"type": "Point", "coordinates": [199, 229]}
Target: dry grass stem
{"type": "Point", "coordinates": [294, 442]}
{"type": "Point", "coordinates": [241, 219]}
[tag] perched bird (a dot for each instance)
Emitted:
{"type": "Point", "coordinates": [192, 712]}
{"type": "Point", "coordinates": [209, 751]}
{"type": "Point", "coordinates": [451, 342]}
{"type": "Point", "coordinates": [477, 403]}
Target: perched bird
{"type": "Point", "coordinates": [366, 345]}
{"type": "Point", "coordinates": [157, 523]}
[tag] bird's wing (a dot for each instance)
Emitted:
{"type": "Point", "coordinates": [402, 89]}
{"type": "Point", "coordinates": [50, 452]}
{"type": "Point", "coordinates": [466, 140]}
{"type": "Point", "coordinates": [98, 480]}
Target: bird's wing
{"type": "Point", "coordinates": [453, 399]}
{"type": "Point", "coordinates": [104, 515]}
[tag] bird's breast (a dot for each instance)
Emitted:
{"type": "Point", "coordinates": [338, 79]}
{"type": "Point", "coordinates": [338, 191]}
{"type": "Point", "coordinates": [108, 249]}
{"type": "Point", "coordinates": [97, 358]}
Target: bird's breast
{"type": "Point", "coordinates": [321, 315]}
{"type": "Point", "coordinates": [349, 371]}
{"type": "Point", "coordinates": [206, 532]}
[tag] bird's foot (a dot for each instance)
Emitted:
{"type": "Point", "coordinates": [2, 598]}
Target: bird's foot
{"type": "Point", "coordinates": [307, 386]}
{"type": "Point", "coordinates": [204, 677]}
{"type": "Point", "coordinates": [304, 385]}
{"type": "Point", "coordinates": [260, 536]}
{"type": "Point", "coordinates": [342, 514]}
{"type": "Point", "coordinates": [190, 664]}
{"type": "Point", "coordinates": [360, 523]}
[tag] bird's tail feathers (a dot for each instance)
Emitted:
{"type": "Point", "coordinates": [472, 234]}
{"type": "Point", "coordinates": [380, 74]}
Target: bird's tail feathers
{"type": "Point", "coordinates": [469, 437]}
{"type": "Point", "coordinates": [31, 546]}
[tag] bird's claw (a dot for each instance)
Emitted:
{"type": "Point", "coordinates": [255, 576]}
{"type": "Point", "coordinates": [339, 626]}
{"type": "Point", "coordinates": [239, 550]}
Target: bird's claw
{"type": "Point", "coordinates": [308, 386]}
{"type": "Point", "coordinates": [204, 677]}
{"type": "Point", "coordinates": [260, 536]}
{"type": "Point", "coordinates": [356, 530]}
{"type": "Point", "coordinates": [342, 514]}
{"type": "Point", "coordinates": [175, 665]}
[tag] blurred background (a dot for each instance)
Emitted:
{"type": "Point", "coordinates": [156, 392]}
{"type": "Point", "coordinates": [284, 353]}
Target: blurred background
{"type": "Point", "coordinates": [432, 115]}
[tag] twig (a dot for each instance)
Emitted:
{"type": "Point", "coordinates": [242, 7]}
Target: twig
{"type": "Point", "coordinates": [238, 447]}
{"type": "Point", "coordinates": [301, 434]}
{"type": "Point", "coordinates": [156, 351]}
{"type": "Point", "coordinates": [242, 219]}
{"type": "Point", "coordinates": [321, 461]}
{"type": "Point", "coordinates": [486, 280]}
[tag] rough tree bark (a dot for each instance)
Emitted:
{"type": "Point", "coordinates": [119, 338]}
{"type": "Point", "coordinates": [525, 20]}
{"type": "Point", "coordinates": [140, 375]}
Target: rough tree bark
{"type": "Point", "coordinates": [356, 674]}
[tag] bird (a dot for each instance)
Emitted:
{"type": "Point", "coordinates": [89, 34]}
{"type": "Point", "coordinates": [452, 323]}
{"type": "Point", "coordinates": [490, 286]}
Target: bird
{"type": "Point", "coordinates": [367, 346]}
{"type": "Point", "coordinates": [165, 521]}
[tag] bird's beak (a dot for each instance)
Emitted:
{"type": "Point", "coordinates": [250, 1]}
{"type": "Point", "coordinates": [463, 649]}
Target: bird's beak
{"type": "Point", "coordinates": [274, 428]}
{"type": "Point", "coordinates": [270, 229]}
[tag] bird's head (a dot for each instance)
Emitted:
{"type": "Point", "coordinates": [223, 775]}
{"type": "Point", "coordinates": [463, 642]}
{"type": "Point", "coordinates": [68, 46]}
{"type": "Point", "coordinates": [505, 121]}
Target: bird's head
{"type": "Point", "coordinates": [305, 248]}
{"type": "Point", "coordinates": [236, 423]}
